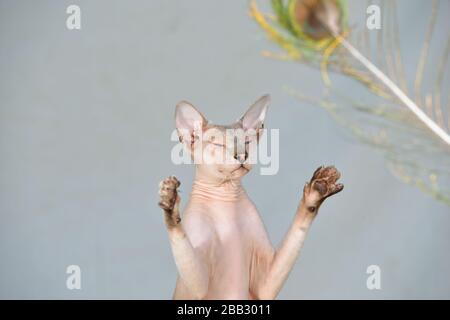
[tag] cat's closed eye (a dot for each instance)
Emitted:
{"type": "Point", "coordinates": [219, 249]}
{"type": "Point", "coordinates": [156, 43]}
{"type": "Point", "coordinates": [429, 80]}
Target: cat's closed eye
{"type": "Point", "coordinates": [217, 144]}
{"type": "Point", "coordinates": [222, 145]}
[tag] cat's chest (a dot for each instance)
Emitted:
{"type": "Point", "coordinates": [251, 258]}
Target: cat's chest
{"type": "Point", "coordinates": [231, 231]}
{"type": "Point", "coordinates": [234, 224]}
{"type": "Point", "coordinates": [232, 227]}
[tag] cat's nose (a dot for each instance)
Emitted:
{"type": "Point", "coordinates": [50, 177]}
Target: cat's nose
{"type": "Point", "coordinates": [241, 157]}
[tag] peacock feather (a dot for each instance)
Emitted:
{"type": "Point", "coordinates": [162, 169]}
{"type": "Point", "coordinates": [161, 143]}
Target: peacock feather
{"type": "Point", "coordinates": [410, 126]}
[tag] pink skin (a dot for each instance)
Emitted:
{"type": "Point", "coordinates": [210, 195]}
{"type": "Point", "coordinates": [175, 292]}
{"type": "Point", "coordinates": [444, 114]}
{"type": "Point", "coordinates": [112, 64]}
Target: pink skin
{"type": "Point", "coordinates": [220, 245]}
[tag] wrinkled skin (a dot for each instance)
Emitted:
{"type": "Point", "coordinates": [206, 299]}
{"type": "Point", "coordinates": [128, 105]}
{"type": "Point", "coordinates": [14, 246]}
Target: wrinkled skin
{"type": "Point", "coordinates": [220, 244]}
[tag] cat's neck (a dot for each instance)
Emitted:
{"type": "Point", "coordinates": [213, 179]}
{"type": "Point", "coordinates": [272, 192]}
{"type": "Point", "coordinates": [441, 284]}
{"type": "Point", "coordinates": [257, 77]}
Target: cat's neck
{"type": "Point", "coordinates": [212, 189]}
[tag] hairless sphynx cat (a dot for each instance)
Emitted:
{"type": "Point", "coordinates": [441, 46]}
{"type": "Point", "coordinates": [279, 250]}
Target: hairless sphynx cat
{"type": "Point", "coordinates": [220, 244]}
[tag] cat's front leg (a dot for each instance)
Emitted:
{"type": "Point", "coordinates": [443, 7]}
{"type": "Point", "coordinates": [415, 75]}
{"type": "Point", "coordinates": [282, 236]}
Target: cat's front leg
{"type": "Point", "coordinates": [190, 263]}
{"type": "Point", "coordinates": [321, 186]}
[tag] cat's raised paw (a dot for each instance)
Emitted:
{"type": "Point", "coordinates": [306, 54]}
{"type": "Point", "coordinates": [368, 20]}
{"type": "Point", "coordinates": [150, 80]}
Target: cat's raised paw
{"type": "Point", "coordinates": [321, 186]}
{"type": "Point", "coordinates": [168, 193]}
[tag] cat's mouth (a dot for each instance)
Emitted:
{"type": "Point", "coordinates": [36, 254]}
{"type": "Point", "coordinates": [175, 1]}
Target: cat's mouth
{"type": "Point", "coordinates": [240, 168]}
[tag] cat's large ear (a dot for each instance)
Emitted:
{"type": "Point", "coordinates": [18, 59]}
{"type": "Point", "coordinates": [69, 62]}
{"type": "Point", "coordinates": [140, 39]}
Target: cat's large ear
{"type": "Point", "coordinates": [189, 122]}
{"type": "Point", "coordinates": [255, 115]}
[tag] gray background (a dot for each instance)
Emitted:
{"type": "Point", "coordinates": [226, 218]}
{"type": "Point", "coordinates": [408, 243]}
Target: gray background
{"type": "Point", "coordinates": [86, 118]}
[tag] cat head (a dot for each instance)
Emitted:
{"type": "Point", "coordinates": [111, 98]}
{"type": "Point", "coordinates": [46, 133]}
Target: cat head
{"type": "Point", "coordinates": [221, 151]}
